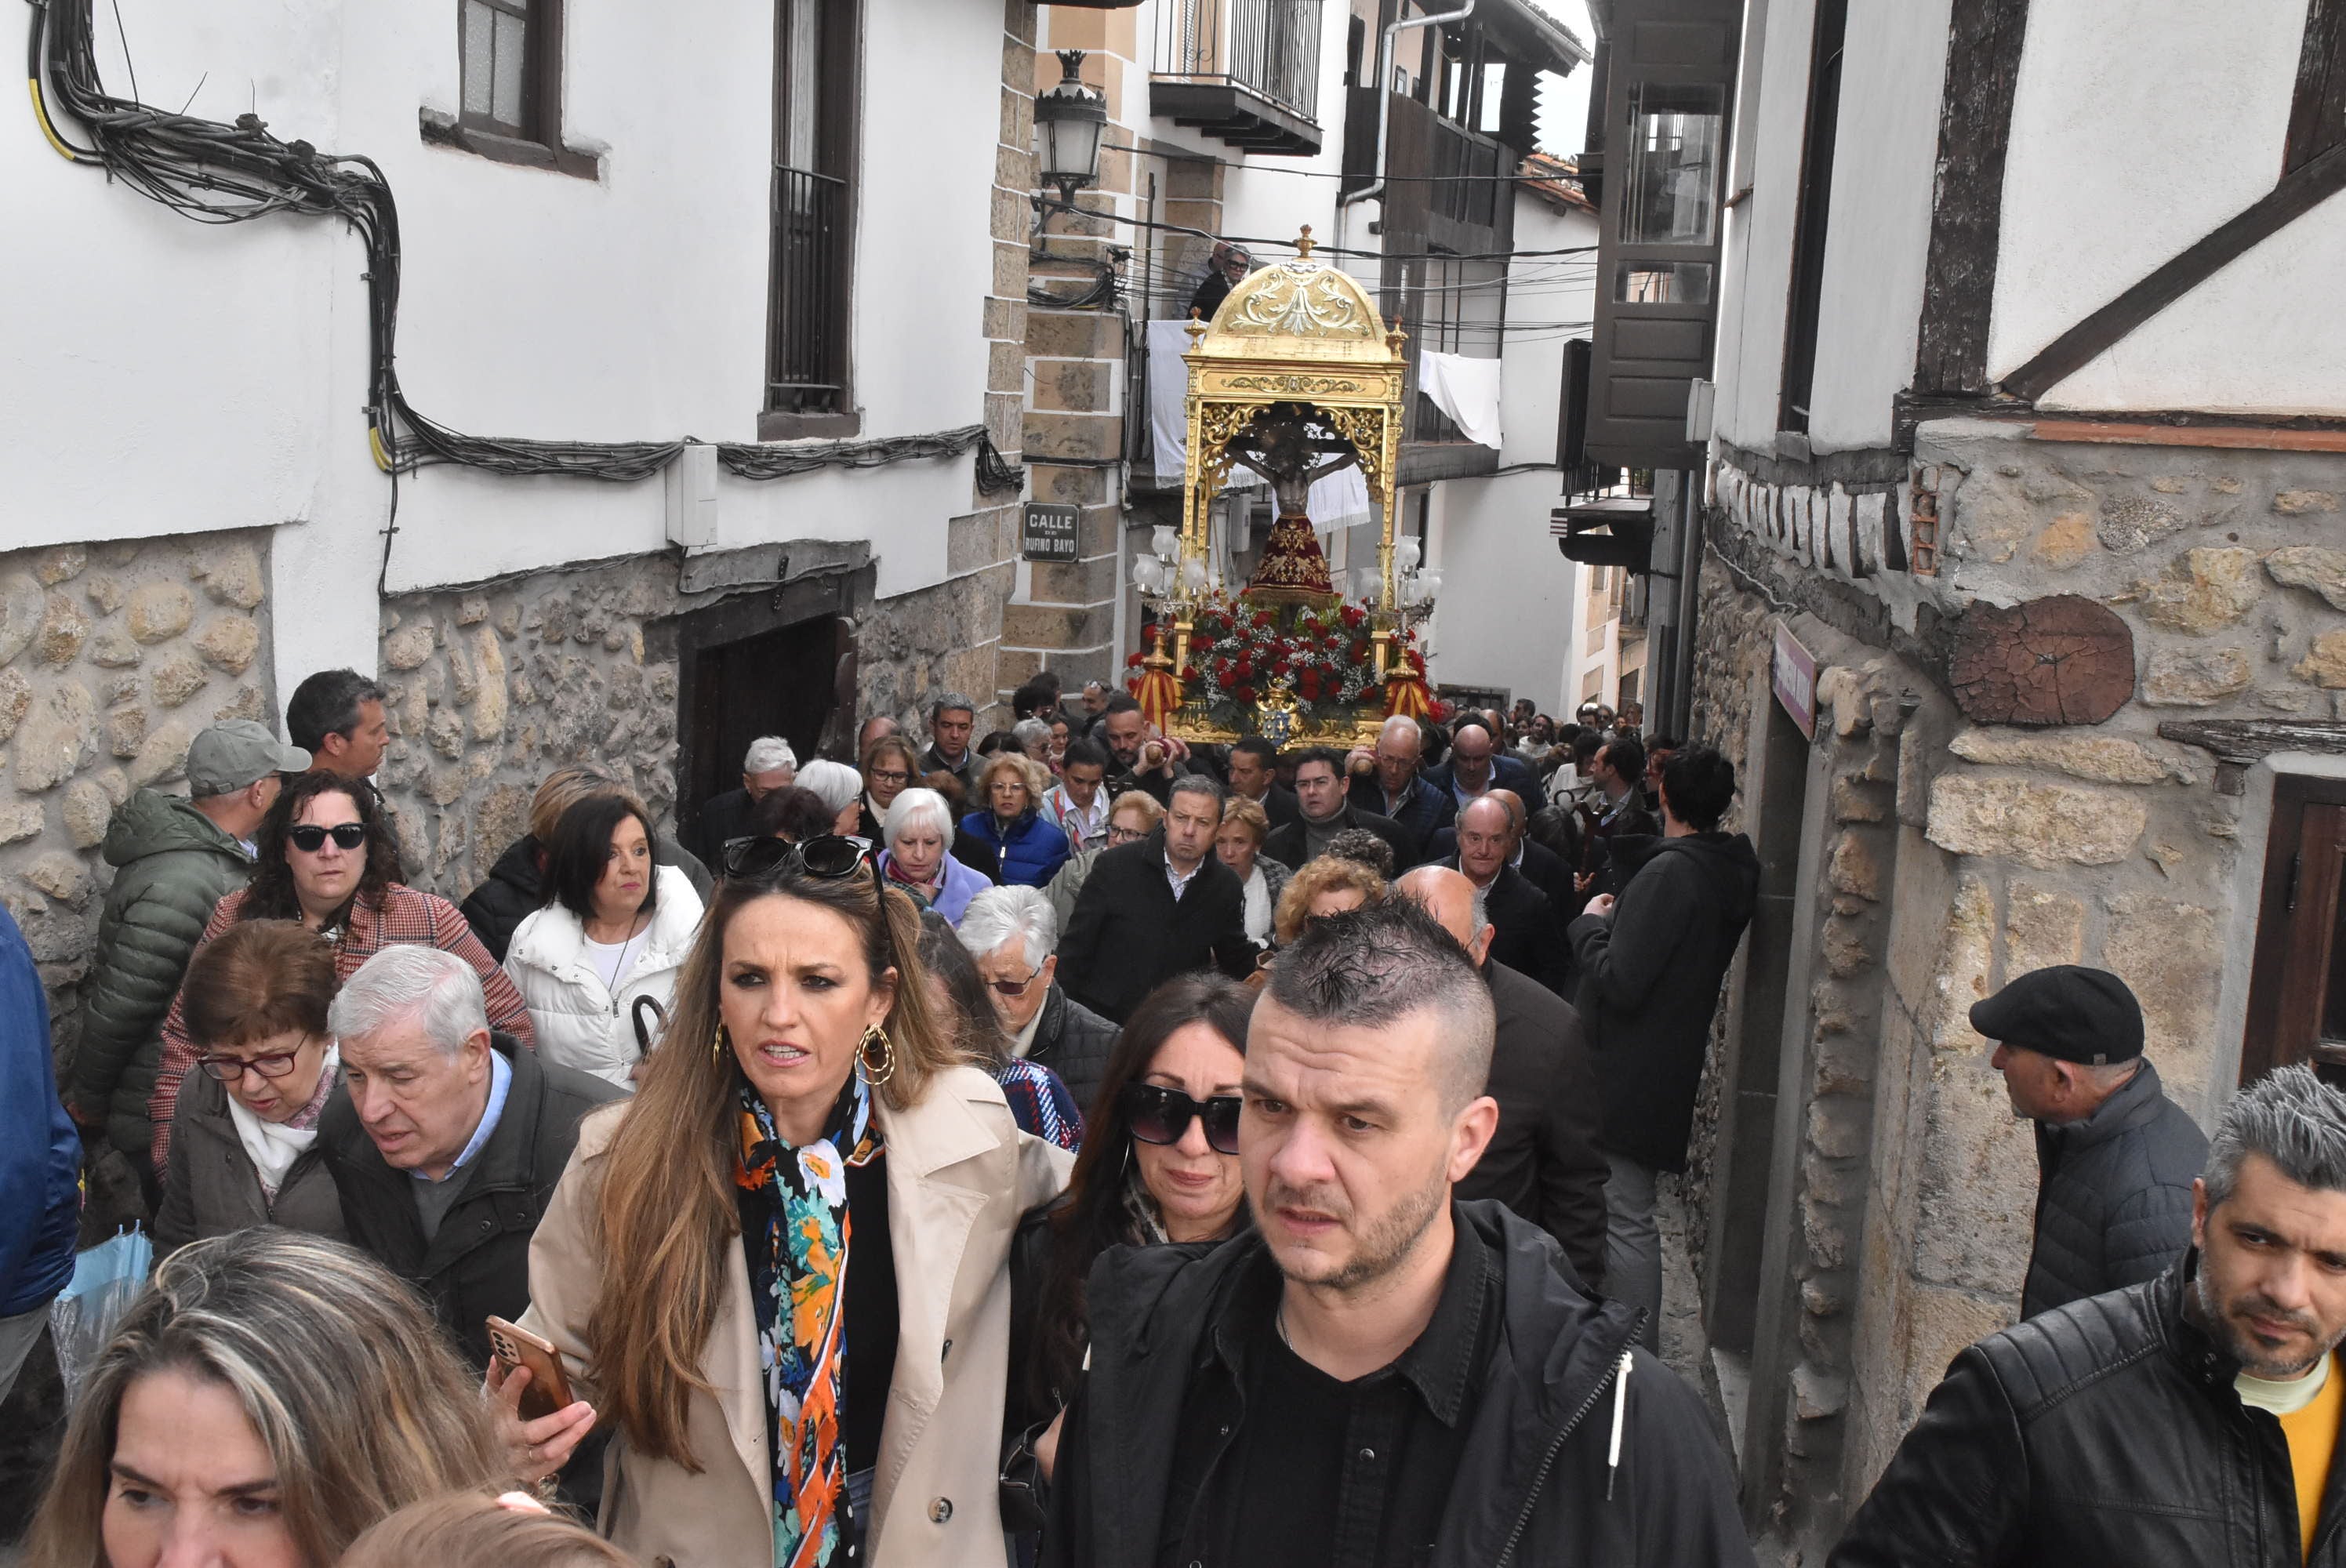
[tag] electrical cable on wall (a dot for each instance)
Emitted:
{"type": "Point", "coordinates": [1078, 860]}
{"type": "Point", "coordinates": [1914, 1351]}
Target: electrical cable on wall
{"type": "Point", "coordinates": [215, 173]}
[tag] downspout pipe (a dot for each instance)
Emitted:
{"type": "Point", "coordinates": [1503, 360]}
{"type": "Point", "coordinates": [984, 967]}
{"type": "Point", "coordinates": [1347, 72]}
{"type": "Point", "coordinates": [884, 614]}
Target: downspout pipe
{"type": "Point", "coordinates": [1393, 32]}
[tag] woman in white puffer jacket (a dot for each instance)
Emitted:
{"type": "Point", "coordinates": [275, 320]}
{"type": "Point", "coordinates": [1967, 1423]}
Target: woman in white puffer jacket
{"type": "Point", "coordinates": [614, 927]}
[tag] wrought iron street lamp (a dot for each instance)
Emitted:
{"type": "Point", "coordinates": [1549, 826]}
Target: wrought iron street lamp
{"type": "Point", "coordinates": [1068, 121]}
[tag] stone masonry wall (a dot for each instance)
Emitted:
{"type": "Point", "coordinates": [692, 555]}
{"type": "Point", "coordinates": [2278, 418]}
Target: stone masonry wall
{"type": "Point", "coordinates": [112, 656]}
{"type": "Point", "coordinates": [1990, 850]}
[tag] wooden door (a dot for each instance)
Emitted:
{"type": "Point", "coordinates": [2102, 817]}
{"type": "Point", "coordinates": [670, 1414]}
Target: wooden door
{"type": "Point", "coordinates": [779, 682]}
{"type": "Point", "coordinates": [2297, 990]}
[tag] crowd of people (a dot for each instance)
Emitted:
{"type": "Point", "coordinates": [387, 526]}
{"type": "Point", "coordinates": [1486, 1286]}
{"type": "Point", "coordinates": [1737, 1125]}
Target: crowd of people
{"type": "Point", "coordinates": [1059, 1145]}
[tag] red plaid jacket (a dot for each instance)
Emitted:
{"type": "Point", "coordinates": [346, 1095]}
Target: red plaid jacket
{"type": "Point", "coordinates": [400, 914]}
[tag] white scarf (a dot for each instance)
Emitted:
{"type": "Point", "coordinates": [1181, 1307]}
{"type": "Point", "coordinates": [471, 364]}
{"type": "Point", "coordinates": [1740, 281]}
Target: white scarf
{"type": "Point", "coordinates": [273, 1146]}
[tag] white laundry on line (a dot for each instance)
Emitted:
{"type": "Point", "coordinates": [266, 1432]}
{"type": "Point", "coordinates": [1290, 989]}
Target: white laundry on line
{"type": "Point", "coordinates": [1467, 390]}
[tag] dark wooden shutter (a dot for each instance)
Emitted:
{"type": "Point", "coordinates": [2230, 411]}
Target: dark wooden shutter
{"type": "Point", "coordinates": [2297, 990]}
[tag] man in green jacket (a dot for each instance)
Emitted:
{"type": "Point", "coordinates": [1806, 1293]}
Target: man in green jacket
{"type": "Point", "coordinates": [173, 860]}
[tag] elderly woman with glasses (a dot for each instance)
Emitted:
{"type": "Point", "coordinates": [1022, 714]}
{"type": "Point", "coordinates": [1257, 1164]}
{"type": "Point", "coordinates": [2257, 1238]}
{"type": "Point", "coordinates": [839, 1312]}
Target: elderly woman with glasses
{"type": "Point", "coordinates": [1132, 818]}
{"type": "Point", "coordinates": [247, 1123]}
{"type": "Point", "coordinates": [779, 1276]}
{"type": "Point", "coordinates": [1160, 1165]}
{"type": "Point", "coordinates": [919, 858]}
{"type": "Point", "coordinates": [328, 861]}
{"type": "Point", "coordinates": [1027, 848]}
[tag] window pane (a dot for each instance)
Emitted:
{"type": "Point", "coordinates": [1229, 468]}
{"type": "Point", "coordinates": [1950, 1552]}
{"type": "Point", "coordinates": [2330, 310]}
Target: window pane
{"type": "Point", "coordinates": [511, 51]}
{"type": "Point", "coordinates": [802, 84]}
{"type": "Point", "coordinates": [1671, 192]}
{"type": "Point", "coordinates": [1662, 283]}
{"type": "Point", "coordinates": [479, 25]}
{"type": "Point", "coordinates": [1495, 94]}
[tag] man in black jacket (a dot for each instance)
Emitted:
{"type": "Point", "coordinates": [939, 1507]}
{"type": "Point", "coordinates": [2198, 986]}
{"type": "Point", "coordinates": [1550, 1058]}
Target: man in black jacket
{"type": "Point", "coordinates": [1138, 758]}
{"type": "Point", "coordinates": [1529, 940]}
{"type": "Point", "coordinates": [1544, 1162]}
{"type": "Point", "coordinates": [447, 1141]}
{"type": "Point", "coordinates": [1376, 1374]}
{"type": "Point", "coordinates": [1387, 782]}
{"type": "Point", "coordinates": [2191, 1418]}
{"type": "Point", "coordinates": [1648, 977]}
{"type": "Point", "coordinates": [1254, 773]}
{"type": "Point", "coordinates": [1013, 933]}
{"type": "Point", "coordinates": [1320, 791]}
{"type": "Point", "coordinates": [1157, 909]}
{"type": "Point", "coordinates": [1477, 763]}
{"type": "Point", "coordinates": [2116, 1157]}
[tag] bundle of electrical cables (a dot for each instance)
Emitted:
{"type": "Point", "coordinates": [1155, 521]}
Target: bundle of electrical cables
{"type": "Point", "coordinates": [233, 173]}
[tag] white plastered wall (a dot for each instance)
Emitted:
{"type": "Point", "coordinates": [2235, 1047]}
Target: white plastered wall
{"type": "Point", "coordinates": [178, 378]}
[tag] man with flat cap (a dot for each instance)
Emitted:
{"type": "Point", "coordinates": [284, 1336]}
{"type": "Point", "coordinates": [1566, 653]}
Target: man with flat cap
{"type": "Point", "coordinates": [2116, 1157]}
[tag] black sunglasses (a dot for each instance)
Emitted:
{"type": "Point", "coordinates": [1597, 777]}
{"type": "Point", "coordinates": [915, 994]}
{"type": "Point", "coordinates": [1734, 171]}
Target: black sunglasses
{"type": "Point", "coordinates": [828, 857]}
{"type": "Point", "coordinates": [1161, 1116]}
{"type": "Point", "coordinates": [310, 838]}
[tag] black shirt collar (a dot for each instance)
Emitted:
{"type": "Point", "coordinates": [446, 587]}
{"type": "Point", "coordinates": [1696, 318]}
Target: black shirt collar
{"type": "Point", "coordinates": [1441, 1363]}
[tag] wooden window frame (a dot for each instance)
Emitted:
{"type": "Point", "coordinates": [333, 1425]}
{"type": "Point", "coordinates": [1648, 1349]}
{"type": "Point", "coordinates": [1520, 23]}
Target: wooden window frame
{"type": "Point", "coordinates": [537, 142]}
{"type": "Point", "coordinates": [1811, 231]}
{"type": "Point", "coordinates": [2291, 952]}
{"type": "Point", "coordinates": [839, 137]}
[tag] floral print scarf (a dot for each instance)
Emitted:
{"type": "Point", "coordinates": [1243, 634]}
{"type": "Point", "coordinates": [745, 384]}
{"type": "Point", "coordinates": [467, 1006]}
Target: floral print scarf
{"type": "Point", "coordinates": [794, 1215]}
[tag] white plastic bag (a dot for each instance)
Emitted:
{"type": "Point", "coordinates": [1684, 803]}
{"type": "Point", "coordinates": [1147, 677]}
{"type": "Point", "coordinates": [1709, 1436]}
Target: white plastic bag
{"type": "Point", "coordinates": [105, 1279]}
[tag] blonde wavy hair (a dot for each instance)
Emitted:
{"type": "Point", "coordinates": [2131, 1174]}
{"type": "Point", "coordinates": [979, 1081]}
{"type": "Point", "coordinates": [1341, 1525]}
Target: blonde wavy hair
{"type": "Point", "coordinates": [344, 1376]}
{"type": "Point", "coordinates": [1033, 775]}
{"type": "Point", "coordinates": [1329, 873]}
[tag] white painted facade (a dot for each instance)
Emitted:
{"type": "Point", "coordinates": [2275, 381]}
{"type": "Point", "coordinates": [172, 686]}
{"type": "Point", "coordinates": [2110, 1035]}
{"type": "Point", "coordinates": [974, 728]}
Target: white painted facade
{"type": "Point", "coordinates": [2121, 156]}
{"type": "Point", "coordinates": [179, 378]}
{"type": "Point", "coordinates": [1514, 613]}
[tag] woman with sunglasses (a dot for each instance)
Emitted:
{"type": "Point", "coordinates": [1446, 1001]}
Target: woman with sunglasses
{"type": "Point", "coordinates": [919, 858]}
{"type": "Point", "coordinates": [1160, 1165]}
{"type": "Point", "coordinates": [328, 861]}
{"type": "Point", "coordinates": [247, 1122]}
{"type": "Point", "coordinates": [1026, 847]}
{"type": "Point", "coordinates": [779, 1276]}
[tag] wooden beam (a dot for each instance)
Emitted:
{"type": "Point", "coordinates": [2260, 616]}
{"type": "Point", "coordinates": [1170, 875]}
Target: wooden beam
{"type": "Point", "coordinates": [2235, 438]}
{"type": "Point", "coordinates": [2299, 192]}
{"type": "Point", "coordinates": [2317, 115]}
{"type": "Point", "coordinates": [1983, 42]}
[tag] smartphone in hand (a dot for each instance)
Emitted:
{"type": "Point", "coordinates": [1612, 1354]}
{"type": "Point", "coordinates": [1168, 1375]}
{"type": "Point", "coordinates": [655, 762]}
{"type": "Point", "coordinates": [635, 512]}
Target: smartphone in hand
{"type": "Point", "coordinates": [515, 1347]}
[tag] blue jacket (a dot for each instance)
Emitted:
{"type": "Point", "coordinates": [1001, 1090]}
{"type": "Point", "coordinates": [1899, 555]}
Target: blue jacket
{"type": "Point", "coordinates": [1030, 854]}
{"type": "Point", "coordinates": [40, 1153]}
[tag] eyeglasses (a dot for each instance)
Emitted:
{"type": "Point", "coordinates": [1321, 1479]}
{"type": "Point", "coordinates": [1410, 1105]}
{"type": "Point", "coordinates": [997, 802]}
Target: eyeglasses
{"type": "Point", "coordinates": [828, 856]}
{"type": "Point", "coordinates": [228, 1069]}
{"type": "Point", "coordinates": [310, 838]}
{"type": "Point", "coordinates": [1014, 987]}
{"type": "Point", "coordinates": [1158, 1115]}
{"type": "Point", "coordinates": [1117, 835]}
{"type": "Point", "coordinates": [887, 775]}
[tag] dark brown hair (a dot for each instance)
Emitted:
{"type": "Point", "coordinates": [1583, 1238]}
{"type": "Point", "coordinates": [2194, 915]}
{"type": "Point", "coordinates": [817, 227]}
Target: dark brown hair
{"type": "Point", "coordinates": [269, 895]}
{"type": "Point", "coordinates": [1090, 1218]}
{"type": "Point", "coordinates": [257, 980]}
{"type": "Point", "coordinates": [581, 851]}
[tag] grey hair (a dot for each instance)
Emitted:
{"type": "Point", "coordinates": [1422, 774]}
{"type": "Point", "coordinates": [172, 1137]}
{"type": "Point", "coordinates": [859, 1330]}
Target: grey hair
{"type": "Point", "coordinates": [2292, 1118]}
{"type": "Point", "coordinates": [1198, 784]}
{"type": "Point", "coordinates": [917, 808]}
{"type": "Point", "coordinates": [834, 783]}
{"type": "Point", "coordinates": [767, 753]}
{"type": "Point", "coordinates": [947, 701]}
{"type": "Point", "coordinates": [1029, 730]}
{"type": "Point", "coordinates": [1400, 724]}
{"type": "Point", "coordinates": [1372, 967]}
{"type": "Point", "coordinates": [1000, 915]}
{"type": "Point", "coordinates": [408, 981]}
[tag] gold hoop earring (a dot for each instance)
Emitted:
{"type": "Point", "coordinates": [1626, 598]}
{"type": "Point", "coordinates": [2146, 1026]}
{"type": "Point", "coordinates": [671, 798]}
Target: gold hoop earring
{"type": "Point", "coordinates": [875, 1075]}
{"type": "Point", "coordinates": [717, 1044]}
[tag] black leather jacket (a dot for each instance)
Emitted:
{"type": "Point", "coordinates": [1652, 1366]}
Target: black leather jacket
{"type": "Point", "coordinates": [2103, 1432]}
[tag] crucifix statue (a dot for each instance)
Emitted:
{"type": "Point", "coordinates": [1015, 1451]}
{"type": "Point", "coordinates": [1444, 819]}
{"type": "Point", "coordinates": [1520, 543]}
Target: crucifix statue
{"type": "Point", "coordinates": [1283, 444]}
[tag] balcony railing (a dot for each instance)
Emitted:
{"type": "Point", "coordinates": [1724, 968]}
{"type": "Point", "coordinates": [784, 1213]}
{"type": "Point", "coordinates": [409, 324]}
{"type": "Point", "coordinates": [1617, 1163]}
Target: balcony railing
{"type": "Point", "coordinates": [1269, 48]}
{"type": "Point", "coordinates": [806, 344]}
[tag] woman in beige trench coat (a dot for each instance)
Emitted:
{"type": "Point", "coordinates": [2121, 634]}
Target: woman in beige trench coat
{"type": "Point", "coordinates": [712, 1273]}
